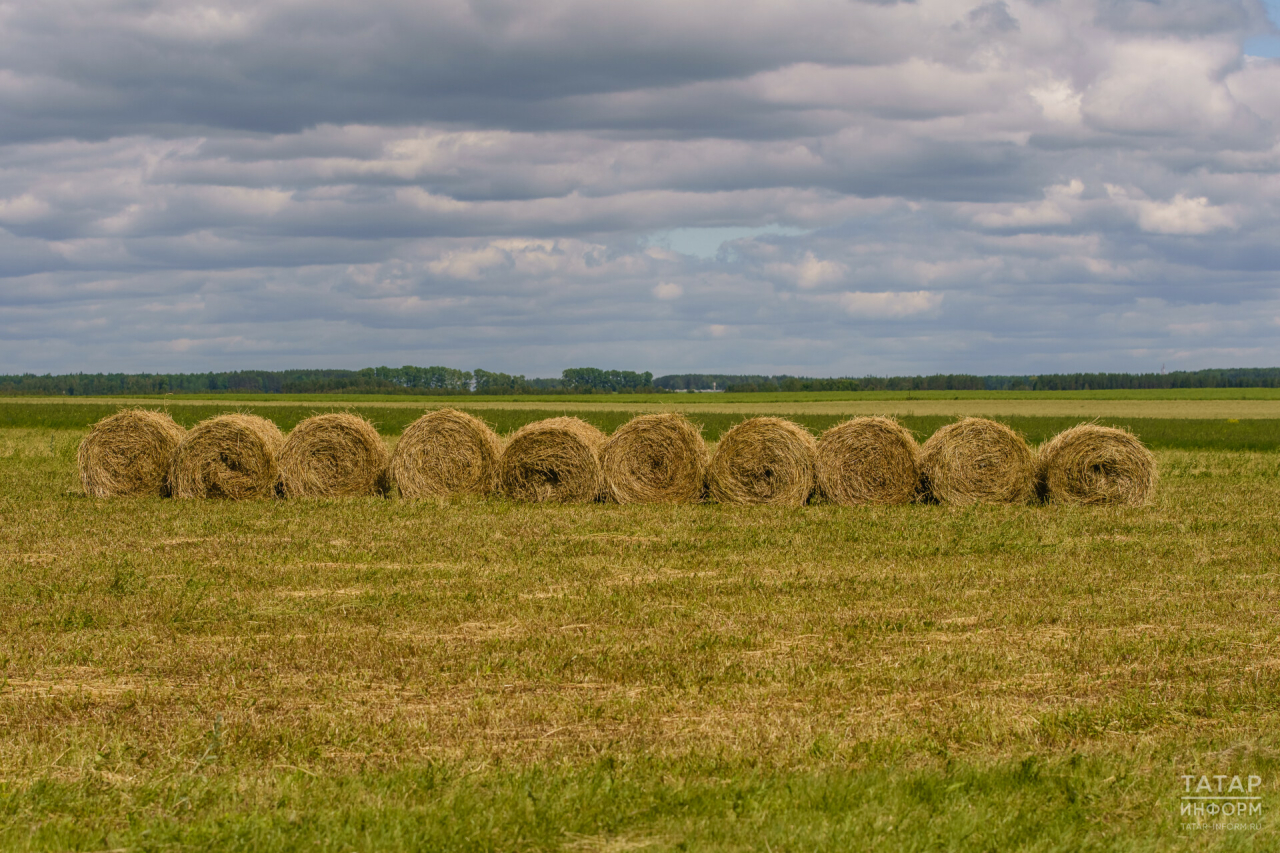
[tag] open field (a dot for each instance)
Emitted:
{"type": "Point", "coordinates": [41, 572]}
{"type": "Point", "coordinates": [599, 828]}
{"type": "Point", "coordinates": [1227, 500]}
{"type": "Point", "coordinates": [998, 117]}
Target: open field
{"type": "Point", "coordinates": [31, 408]}
{"type": "Point", "coordinates": [698, 399]}
{"type": "Point", "coordinates": [1167, 433]}
{"type": "Point", "coordinates": [392, 675]}
{"type": "Point", "coordinates": [1170, 433]}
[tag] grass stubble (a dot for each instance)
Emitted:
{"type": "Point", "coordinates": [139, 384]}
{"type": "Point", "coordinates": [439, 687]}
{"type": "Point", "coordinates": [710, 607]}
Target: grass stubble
{"type": "Point", "coordinates": [483, 674]}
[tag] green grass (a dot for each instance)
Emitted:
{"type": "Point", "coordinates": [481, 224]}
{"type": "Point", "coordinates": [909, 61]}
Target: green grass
{"type": "Point", "coordinates": [1071, 803]}
{"type": "Point", "coordinates": [1258, 434]}
{"type": "Point", "coordinates": [481, 675]}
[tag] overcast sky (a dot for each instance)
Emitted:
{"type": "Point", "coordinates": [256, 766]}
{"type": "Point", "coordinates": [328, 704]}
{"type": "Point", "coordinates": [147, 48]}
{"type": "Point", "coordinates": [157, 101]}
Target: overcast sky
{"type": "Point", "coordinates": [820, 188]}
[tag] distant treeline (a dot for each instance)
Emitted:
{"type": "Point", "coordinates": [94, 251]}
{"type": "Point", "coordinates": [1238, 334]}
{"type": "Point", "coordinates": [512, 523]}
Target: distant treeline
{"type": "Point", "coordinates": [1243, 377]}
{"type": "Point", "coordinates": [369, 380]}
{"type": "Point", "coordinates": [591, 380]}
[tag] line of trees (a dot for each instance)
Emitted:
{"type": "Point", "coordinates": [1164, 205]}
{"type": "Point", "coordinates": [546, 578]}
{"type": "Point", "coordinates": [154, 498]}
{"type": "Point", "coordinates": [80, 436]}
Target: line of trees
{"type": "Point", "coordinates": [370, 380]}
{"type": "Point", "coordinates": [1243, 377]}
{"type": "Point", "coordinates": [591, 380]}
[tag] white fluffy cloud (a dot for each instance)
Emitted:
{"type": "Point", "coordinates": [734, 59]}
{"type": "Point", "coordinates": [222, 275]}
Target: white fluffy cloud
{"type": "Point", "coordinates": [998, 185]}
{"type": "Point", "coordinates": [890, 305]}
{"type": "Point", "coordinates": [1180, 215]}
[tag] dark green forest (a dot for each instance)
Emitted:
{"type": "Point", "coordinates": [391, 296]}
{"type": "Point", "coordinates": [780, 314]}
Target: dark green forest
{"type": "Point", "coordinates": [591, 380]}
{"type": "Point", "coordinates": [370, 380]}
{"type": "Point", "coordinates": [1241, 377]}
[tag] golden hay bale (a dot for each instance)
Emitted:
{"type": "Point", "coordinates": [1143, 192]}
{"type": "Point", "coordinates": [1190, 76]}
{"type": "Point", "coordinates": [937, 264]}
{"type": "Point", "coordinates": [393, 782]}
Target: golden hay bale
{"type": "Point", "coordinates": [1091, 464]}
{"type": "Point", "coordinates": [446, 452]}
{"type": "Point", "coordinates": [977, 461]}
{"type": "Point", "coordinates": [334, 455]}
{"type": "Point", "coordinates": [557, 459]}
{"type": "Point", "coordinates": [868, 461]}
{"type": "Point", "coordinates": [763, 461]}
{"type": "Point", "coordinates": [229, 456]}
{"type": "Point", "coordinates": [655, 458]}
{"type": "Point", "coordinates": [127, 454]}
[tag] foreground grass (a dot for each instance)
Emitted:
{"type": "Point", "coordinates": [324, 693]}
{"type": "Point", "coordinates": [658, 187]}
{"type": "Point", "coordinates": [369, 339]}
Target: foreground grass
{"type": "Point", "coordinates": [385, 674]}
{"type": "Point", "coordinates": [1259, 434]}
{"type": "Point", "coordinates": [1071, 804]}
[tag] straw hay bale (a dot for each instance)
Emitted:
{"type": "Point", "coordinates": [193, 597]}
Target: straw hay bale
{"type": "Point", "coordinates": [977, 461]}
{"type": "Point", "coordinates": [557, 459]}
{"type": "Point", "coordinates": [763, 461]}
{"type": "Point", "coordinates": [228, 456]}
{"type": "Point", "coordinates": [1091, 464]}
{"type": "Point", "coordinates": [127, 454]}
{"type": "Point", "coordinates": [655, 458]}
{"type": "Point", "coordinates": [334, 455]}
{"type": "Point", "coordinates": [446, 452]}
{"type": "Point", "coordinates": [868, 461]}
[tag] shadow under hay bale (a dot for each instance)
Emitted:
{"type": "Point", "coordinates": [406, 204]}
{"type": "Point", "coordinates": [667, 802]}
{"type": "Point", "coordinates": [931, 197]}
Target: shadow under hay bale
{"type": "Point", "coordinates": [557, 459]}
{"type": "Point", "coordinates": [229, 456]}
{"type": "Point", "coordinates": [868, 461]}
{"type": "Point", "coordinates": [334, 455]}
{"type": "Point", "coordinates": [655, 458]}
{"type": "Point", "coordinates": [763, 461]}
{"type": "Point", "coordinates": [1091, 464]}
{"type": "Point", "coordinates": [976, 460]}
{"type": "Point", "coordinates": [446, 452]}
{"type": "Point", "coordinates": [127, 454]}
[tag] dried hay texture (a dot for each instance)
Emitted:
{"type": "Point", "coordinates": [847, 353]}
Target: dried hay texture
{"type": "Point", "coordinates": [446, 452]}
{"type": "Point", "coordinates": [763, 461]}
{"type": "Point", "coordinates": [977, 461]}
{"type": "Point", "coordinates": [127, 454]}
{"type": "Point", "coordinates": [557, 459]}
{"type": "Point", "coordinates": [334, 455]}
{"type": "Point", "coordinates": [1091, 464]}
{"type": "Point", "coordinates": [655, 458]}
{"type": "Point", "coordinates": [868, 461]}
{"type": "Point", "coordinates": [229, 456]}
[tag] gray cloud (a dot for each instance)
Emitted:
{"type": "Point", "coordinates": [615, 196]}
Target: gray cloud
{"type": "Point", "coordinates": [956, 185]}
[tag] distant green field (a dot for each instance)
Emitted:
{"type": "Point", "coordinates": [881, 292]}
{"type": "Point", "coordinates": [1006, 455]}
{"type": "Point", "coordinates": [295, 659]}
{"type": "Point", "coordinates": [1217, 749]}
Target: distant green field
{"type": "Point", "coordinates": [721, 398]}
{"type": "Point", "coordinates": [1168, 433]}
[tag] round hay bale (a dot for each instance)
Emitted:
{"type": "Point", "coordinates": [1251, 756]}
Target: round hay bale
{"type": "Point", "coordinates": [228, 456]}
{"type": "Point", "coordinates": [1091, 464]}
{"type": "Point", "coordinates": [868, 461]}
{"type": "Point", "coordinates": [655, 458]}
{"type": "Point", "coordinates": [334, 455]}
{"type": "Point", "coordinates": [446, 452]}
{"type": "Point", "coordinates": [557, 459]}
{"type": "Point", "coordinates": [763, 461]}
{"type": "Point", "coordinates": [127, 454]}
{"type": "Point", "coordinates": [977, 461]}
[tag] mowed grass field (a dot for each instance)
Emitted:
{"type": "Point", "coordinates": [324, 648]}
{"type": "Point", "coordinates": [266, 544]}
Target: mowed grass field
{"type": "Point", "coordinates": [481, 675]}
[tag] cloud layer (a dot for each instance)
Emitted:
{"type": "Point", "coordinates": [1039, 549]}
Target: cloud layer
{"type": "Point", "coordinates": [889, 187]}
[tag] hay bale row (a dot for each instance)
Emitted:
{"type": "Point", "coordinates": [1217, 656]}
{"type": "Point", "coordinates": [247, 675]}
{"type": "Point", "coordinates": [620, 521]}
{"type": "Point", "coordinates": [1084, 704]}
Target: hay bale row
{"type": "Point", "coordinates": [127, 454]}
{"type": "Point", "coordinates": [652, 458]}
{"type": "Point", "coordinates": [230, 456]}
{"type": "Point", "coordinates": [868, 461]}
{"type": "Point", "coordinates": [332, 456]}
{"type": "Point", "coordinates": [977, 461]}
{"type": "Point", "coordinates": [446, 452]}
{"type": "Point", "coordinates": [556, 460]}
{"type": "Point", "coordinates": [763, 461]}
{"type": "Point", "coordinates": [1091, 464]}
